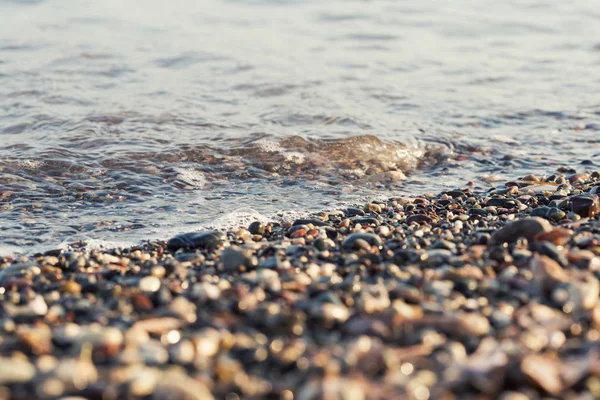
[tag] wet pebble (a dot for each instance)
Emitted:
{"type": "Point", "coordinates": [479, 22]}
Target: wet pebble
{"type": "Point", "coordinates": [204, 240]}
{"type": "Point", "coordinates": [527, 228]}
{"type": "Point", "coordinates": [357, 240]}
{"type": "Point", "coordinates": [232, 258]}
{"type": "Point", "coordinates": [586, 205]}
{"type": "Point", "coordinates": [256, 228]}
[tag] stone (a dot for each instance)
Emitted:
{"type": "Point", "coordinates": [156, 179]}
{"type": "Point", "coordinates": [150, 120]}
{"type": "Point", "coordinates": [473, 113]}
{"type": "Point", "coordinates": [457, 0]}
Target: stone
{"type": "Point", "coordinates": [197, 240]}
{"type": "Point", "coordinates": [149, 284]}
{"type": "Point", "coordinates": [314, 222]}
{"type": "Point", "coordinates": [587, 206]}
{"type": "Point", "coordinates": [547, 273]}
{"type": "Point", "coordinates": [234, 257]}
{"type": "Point", "coordinates": [256, 228]}
{"type": "Point", "coordinates": [543, 371]}
{"type": "Point", "coordinates": [419, 219]}
{"type": "Point", "coordinates": [352, 241]}
{"type": "Point", "coordinates": [15, 370]}
{"type": "Point", "coordinates": [75, 374]}
{"type": "Point", "coordinates": [502, 202]}
{"type": "Point", "coordinates": [174, 384]}
{"type": "Point", "coordinates": [527, 228]}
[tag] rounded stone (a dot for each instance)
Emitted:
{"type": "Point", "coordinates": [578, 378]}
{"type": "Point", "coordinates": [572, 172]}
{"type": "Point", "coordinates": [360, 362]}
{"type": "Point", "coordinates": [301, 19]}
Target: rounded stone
{"type": "Point", "coordinates": [585, 205]}
{"type": "Point", "coordinates": [233, 257]}
{"type": "Point", "coordinates": [256, 228]}
{"type": "Point", "coordinates": [149, 284]}
{"type": "Point", "coordinates": [527, 228]}
{"type": "Point", "coordinates": [353, 241]}
{"type": "Point", "coordinates": [15, 370]}
{"type": "Point", "coordinates": [197, 240]}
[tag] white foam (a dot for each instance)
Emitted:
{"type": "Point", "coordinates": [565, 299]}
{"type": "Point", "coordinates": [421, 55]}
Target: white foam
{"type": "Point", "coordinates": [268, 146]}
{"type": "Point", "coordinates": [100, 244]}
{"type": "Point", "coordinates": [90, 244]}
{"type": "Point", "coordinates": [191, 177]}
{"type": "Point", "coordinates": [30, 164]}
{"type": "Point", "coordinates": [240, 217]}
{"type": "Point", "coordinates": [8, 250]}
{"type": "Point", "coordinates": [294, 156]}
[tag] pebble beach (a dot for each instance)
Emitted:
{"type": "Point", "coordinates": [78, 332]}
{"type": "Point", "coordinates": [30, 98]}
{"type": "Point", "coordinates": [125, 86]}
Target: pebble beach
{"type": "Point", "coordinates": [299, 200]}
{"type": "Point", "coordinates": [464, 294]}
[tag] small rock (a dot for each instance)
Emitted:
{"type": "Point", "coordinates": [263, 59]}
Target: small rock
{"type": "Point", "coordinates": [541, 211]}
{"type": "Point", "coordinates": [75, 374]}
{"type": "Point", "coordinates": [234, 257]}
{"type": "Point", "coordinates": [353, 241]}
{"type": "Point", "coordinates": [586, 206]}
{"type": "Point", "coordinates": [149, 284]}
{"type": "Point", "coordinates": [197, 240]}
{"type": "Point", "coordinates": [15, 370]}
{"type": "Point", "coordinates": [502, 202]}
{"type": "Point", "coordinates": [143, 382]}
{"type": "Point", "coordinates": [527, 228]}
{"type": "Point", "coordinates": [543, 371]}
{"type": "Point", "coordinates": [71, 287]}
{"type": "Point", "coordinates": [419, 219]}
{"type": "Point", "coordinates": [550, 250]}
{"type": "Point", "coordinates": [256, 228]}
{"type": "Point", "coordinates": [455, 193]}
{"type": "Point", "coordinates": [174, 384]}
{"type": "Point", "coordinates": [583, 292]}
{"type": "Point", "coordinates": [153, 353]}
{"type": "Point", "coordinates": [547, 273]}
{"type": "Point", "coordinates": [558, 236]}
{"type": "Point", "coordinates": [315, 222]}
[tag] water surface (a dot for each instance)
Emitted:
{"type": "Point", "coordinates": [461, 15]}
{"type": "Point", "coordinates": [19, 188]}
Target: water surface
{"type": "Point", "coordinates": [123, 121]}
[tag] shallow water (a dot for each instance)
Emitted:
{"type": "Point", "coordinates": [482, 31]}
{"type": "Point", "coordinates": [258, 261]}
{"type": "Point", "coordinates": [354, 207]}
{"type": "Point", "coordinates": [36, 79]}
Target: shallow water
{"type": "Point", "coordinates": [123, 121]}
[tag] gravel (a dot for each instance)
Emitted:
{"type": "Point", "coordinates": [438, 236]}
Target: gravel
{"type": "Point", "coordinates": [463, 294]}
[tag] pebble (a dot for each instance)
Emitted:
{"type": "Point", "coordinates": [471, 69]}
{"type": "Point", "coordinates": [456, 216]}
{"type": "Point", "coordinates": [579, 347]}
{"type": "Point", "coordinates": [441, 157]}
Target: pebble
{"type": "Point", "coordinates": [256, 228]}
{"type": "Point", "coordinates": [36, 307]}
{"type": "Point", "coordinates": [152, 352]}
{"type": "Point", "coordinates": [543, 371]}
{"type": "Point", "coordinates": [587, 206]}
{"type": "Point", "coordinates": [353, 241]}
{"type": "Point", "coordinates": [419, 219]}
{"type": "Point", "coordinates": [502, 202]}
{"type": "Point", "coordinates": [314, 222]}
{"type": "Point", "coordinates": [15, 370]}
{"type": "Point", "coordinates": [75, 374]}
{"type": "Point", "coordinates": [149, 284]}
{"type": "Point", "coordinates": [197, 240]}
{"type": "Point", "coordinates": [234, 257]}
{"type": "Point", "coordinates": [527, 228]}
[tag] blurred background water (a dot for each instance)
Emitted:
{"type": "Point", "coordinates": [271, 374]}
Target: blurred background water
{"type": "Point", "coordinates": [123, 121]}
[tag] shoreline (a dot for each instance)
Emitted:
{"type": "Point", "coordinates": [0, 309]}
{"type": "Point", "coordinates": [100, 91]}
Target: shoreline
{"type": "Point", "coordinates": [454, 295]}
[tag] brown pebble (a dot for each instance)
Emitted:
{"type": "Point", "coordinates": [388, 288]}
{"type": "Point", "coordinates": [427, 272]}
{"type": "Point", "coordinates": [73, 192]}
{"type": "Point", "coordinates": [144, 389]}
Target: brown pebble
{"type": "Point", "coordinates": [543, 371]}
{"type": "Point", "coordinates": [558, 236]}
{"type": "Point", "coordinates": [142, 302]}
{"type": "Point", "coordinates": [527, 228]}
{"type": "Point", "coordinates": [419, 219]}
{"type": "Point", "coordinates": [587, 206]}
{"type": "Point", "coordinates": [71, 287]}
{"type": "Point", "coordinates": [547, 273]}
{"type": "Point", "coordinates": [298, 233]}
{"type": "Point", "coordinates": [531, 178]}
{"type": "Point", "coordinates": [159, 271]}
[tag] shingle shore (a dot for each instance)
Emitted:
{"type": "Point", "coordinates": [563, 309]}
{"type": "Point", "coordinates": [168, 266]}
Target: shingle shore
{"type": "Point", "coordinates": [454, 296]}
